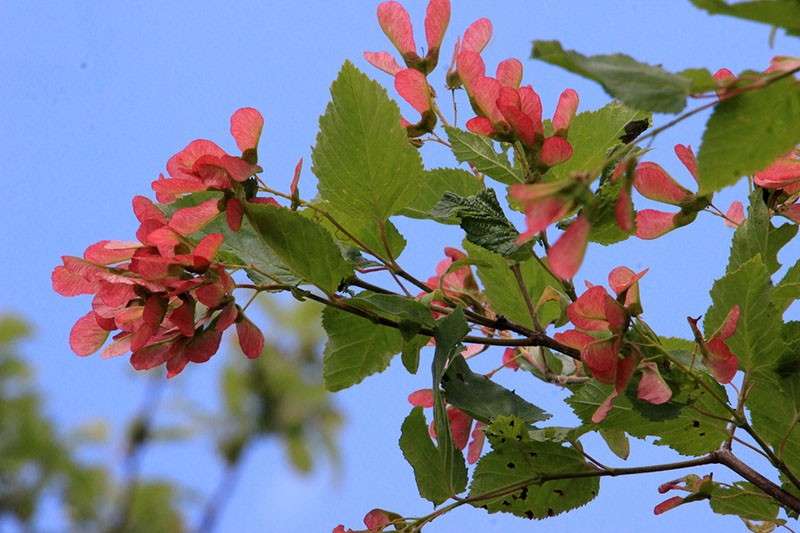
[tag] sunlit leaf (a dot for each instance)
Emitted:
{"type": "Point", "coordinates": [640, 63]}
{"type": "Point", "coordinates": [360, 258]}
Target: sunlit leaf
{"type": "Point", "coordinates": [365, 165]}
{"type": "Point", "coordinates": [302, 245]}
{"type": "Point", "coordinates": [747, 132]}
{"type": "Point", "coordinates": [479, 151]}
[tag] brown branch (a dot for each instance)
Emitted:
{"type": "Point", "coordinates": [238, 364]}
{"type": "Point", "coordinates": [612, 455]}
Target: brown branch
{"type": "Point", "coordinates": [726, 458]}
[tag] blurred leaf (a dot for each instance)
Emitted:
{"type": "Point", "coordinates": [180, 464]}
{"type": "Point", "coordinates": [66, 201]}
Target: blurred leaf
{"type": "Point", "coordinates": [483, 399]}
{"type": "Point", "coordinates": [435, 183]}
{"type": "Point", "coordinates": [86, 493]}
{"type": "Point", "coordinates": [479, 151]}
{"type": "Point", "coordinates": [154, 509]}
{"type": "Point", "coordinates": [781, 13]}
{"type": "Point", "coordinates": [421, 453]}
{"type": "Point", "coordinates": [304, 246]}
{"type": "Point", "coordinates": [747, 132]}
{"type": "Point", "coordinates": [12, 328]}
{"type": "Point", "coordinates": [364, 163]}
{"type": "Point", "coordinates": [636, 84]}
{"type": "Point", "coordinates": [515, 459]}
{"type": "Point", "coordinates": [280, 396]}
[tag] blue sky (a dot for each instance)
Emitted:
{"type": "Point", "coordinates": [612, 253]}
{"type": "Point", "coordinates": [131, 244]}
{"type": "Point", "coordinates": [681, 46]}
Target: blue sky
{"type": "Point", "coordinates": [97, 96]}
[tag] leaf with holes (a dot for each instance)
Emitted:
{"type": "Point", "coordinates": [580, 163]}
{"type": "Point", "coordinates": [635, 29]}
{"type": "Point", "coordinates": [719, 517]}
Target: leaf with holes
{"type": "Point", "coordinates": [528, 470]}
{"type": "Point", "coordinates": [435, 183]}
{"type": "Point", "coordinates": [692, 423]}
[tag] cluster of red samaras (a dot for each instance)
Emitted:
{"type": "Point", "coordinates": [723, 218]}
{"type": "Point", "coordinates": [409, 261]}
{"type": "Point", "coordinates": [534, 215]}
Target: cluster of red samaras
{"type": "Point", "coordinates": [166, 295]}
{"type": "Point", "coordinates": [507, 111]}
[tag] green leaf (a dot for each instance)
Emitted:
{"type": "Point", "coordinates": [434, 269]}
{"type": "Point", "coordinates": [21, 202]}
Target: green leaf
{"type": "Point", "coordinates": [501, 287]}
{"type": "Point", "coordinates": [781, 13]}
{"type": "Point", "coordinates": [421, 453]}
{"type": "Point", "coordinates": [788, 289]}
{"type": "Point", "coordinates": [745, 500]}
{"type": "Point", "coordinates": [449, 332]}
{"type": "Point", "coordinates": [410, 350]}
{"type": "Point", "coordinates": [592, 134]}
{"type": "Point", "coordinates": [478, 150]}
{"type": "Point", "coordinates": [702, 80]}
{"type": "Point", "coordinates": [774, 405]}
{"type": "Point", "coordinates": [243, 247]}
{"type": "Point", "coordinates": [756, 235]}
{"type": "Point", "coordinates": [435, 183]}
{"type": "Point", "coordinates": [691, 423]}
{"type": "Point", "coordinates": [617, 442]}
{"type": "Point", "coordinates": [636, 84]}
{"type": "Point", "coordinates": [605, 229]}
{"type": "Point", "coordinates": [365, 231]}
{"type": "Point", "coordinates": [518, 463]}
{"type": "Point", "coordinates": [483, 220]}
{"type": "Point", "coordinates": [301, 244]}
{"type": "Point", "coordinates": [356, 348]}
{"type": "Point", "coordinates": [483, 399]}
{"type": "Point", "coordinates": [364, 163]}
{"type": "Point", "coordinates": [757, 342]}
{"type": "Point", "coordinates": [747, 132]}
{"type": "Point", "coordinates": [154, 507]}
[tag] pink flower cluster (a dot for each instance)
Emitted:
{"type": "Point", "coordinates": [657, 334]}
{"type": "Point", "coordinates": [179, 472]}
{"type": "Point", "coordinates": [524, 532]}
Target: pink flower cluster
{"type": "Point", "coordinates": [148, 291]}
